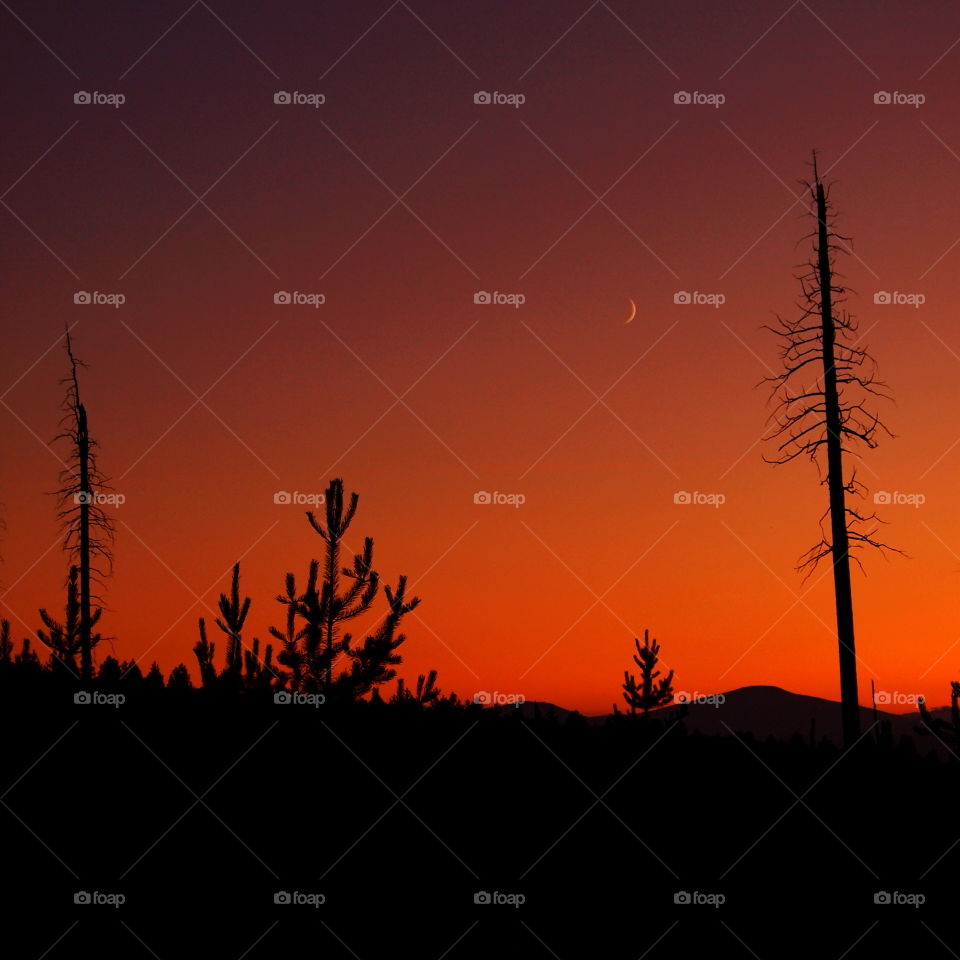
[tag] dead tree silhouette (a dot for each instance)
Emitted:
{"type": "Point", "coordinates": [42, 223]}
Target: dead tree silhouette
{"type": "Point", "coordinates": [821, 395]}
{"type": "Point", "coordinates": [88, 528]}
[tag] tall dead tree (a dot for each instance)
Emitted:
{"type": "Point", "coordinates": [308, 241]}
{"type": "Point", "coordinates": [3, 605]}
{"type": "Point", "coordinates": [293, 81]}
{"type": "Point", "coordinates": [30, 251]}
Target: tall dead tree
{"type": "Point", "coordinates": [88, 529]}
{"type": "Point", "coordinates": [826, 381]}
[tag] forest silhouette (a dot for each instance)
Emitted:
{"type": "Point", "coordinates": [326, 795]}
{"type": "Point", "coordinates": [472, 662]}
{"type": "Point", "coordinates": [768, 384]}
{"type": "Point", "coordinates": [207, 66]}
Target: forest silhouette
{"type": "Point", "coordinates": [297, 793]}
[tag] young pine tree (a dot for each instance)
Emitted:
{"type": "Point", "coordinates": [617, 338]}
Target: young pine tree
{"type": "Point", "coordinates": [650, 692]}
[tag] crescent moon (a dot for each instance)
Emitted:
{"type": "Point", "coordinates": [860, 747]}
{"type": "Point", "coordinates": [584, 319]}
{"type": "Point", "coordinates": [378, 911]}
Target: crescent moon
{"type": "Point", "coordinates": [633, 312]}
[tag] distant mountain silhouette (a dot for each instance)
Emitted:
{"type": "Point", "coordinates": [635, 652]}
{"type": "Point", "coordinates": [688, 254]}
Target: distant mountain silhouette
{"type": "Point", "coordinates": [761, 710]}
{"type": "Point", "coordinates": [772, 711]}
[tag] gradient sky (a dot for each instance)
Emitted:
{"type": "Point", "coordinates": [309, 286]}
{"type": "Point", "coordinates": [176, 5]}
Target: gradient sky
{"type": "Point", "coordinates": [398, 199]}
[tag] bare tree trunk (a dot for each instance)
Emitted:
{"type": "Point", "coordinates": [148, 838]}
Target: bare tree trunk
{"type": "Point", "coordinates": [83, 456]}
{"type": "Point", "coordinates": [849, 696]}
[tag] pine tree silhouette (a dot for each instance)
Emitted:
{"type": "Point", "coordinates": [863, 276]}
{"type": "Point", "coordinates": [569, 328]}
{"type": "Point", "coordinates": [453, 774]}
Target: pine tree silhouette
{"type": "Point", "coordinates": [425, 693]}
{"type": "Point", "coordinates": [204, 651]}
{"type": "Point", "coordinates": [179, 680]}
{"type": "Point", "coordinates": [233, 614]}
{"type": "Point", "coordinates": [338, 607]}
{"type": "Point", "coordinates": [291, 637]}
{"type": "Point", "coordinates": [66, 640]}
{"type": "Point", "coordinates": [312, 646]}
{"type": "Point", "coordinates": [374, 661]}
{"type": "Point", "coordinates": [650, 693]}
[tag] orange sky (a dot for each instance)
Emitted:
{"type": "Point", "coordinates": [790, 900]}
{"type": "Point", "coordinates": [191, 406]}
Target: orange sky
{"type": "Point", "coordinates": [491, 397]}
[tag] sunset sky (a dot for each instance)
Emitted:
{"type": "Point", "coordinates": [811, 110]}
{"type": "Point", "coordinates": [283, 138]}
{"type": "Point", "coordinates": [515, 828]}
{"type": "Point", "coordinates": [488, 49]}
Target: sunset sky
{"type": "Point", "coordinates": [398, 198]}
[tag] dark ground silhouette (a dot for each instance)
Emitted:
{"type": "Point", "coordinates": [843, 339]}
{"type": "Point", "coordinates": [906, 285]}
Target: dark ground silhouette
{"type": "Point", "coordinates": [200, 806]}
